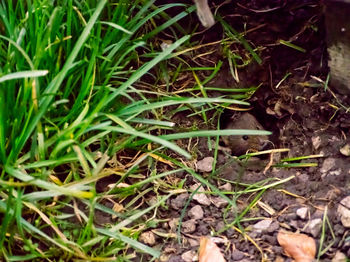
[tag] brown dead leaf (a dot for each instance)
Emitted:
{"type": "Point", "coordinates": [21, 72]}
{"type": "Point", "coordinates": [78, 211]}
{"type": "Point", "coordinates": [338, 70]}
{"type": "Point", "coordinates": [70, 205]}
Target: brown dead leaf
{"type": "Point", "coordinates": [209, 251]}
{"type": "Point", "coordinates": [298, 246]}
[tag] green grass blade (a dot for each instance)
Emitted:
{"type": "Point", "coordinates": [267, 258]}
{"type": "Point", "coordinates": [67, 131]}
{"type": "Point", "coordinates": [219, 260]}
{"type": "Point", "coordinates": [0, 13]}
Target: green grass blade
{"type": "Point", "coordinates": [23, 74]}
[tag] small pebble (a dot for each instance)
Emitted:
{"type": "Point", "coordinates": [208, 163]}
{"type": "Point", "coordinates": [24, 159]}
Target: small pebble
{"type": "Point", "coordinates": [193, 242]}
{"type": "Point", "coordinates": [206, 164]}
{"type": "Point", "coordinates": [327, 165]}
{"type": "Point", "coordinates": [237, 255]}
{"type": "Point", "coordinates": [339, 257]}
{"type": "Point", "coordinates": [189, 226]}
{"type": "Point", "coordinates": [148, 238]}
{"type": "Point", "coordinates": [179, 202]}
{"type": "Point", "coordinates": [201, 198]}
{"type": "Point", "coordinates": [262, 225]}
{"type": "Point", "coordinates": [190, 256]}
{"type": "Point", "coordinates": [316, 142]}
{"type": "Point", "coordinates": [345, 150]}
{"type": "Point", "coordinates": [196, 212]}
{"type": "Point", "coordinates": [273, 227]}
{"type": "Point", "coordinates": [226, 187]}
{"type": "Point", "coordinates": [219, 202]}
{"type": "Point", "coordinates": [164, 258]}
{"type": "Point", "coordinates": [339, 229]}
{"type": "Point", "coordinates": [302, 212]}
{"type": "Point", "coordinates": [344, 211]}
{"type": "Point", "coordinates": [279, 259]}
{"type": "Point", "coordinates": [314, 227]}
{"type": "Point", "coordinates": [336, 172]}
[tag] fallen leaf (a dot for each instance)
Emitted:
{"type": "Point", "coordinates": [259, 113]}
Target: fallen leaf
{"type": "Point", "coordinates": [209, 251]}
{"type": "Point", "coordinates": [298, 246]}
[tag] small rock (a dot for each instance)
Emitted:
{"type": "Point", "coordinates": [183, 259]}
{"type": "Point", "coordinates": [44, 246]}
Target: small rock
{"type": "Point", "coordinates": [339, 257]}
{"type": "Point", "coordinates": [344, 211]}
{"type": "Point", "coordinates": [237, 255]}
{"type": "Point", "coordinates": [219, 240]}
{"type": "Point", "coordinates": [219, 202]}
{"type": "Point", "coordinates": [206, 164]}
{"type": "Point", "coordinates": [302, 212]}
{"type": "Point", "coordinates": [179, 202]}
{"type": "Point", "coordinates": [196, 212]}
{"type": "Point", "coordinates": [190, 256]}
{"type": "Point", "coordinates": [336, 172]}
{"type": "Point", "coordinates": [148, 238]}
{"type": "Point", "coordinates": [164, 258]}
{"type": "Point", "coordinates": [314, 227]}
{"type": "Point", "coordinates": [189, 226]}
{"type": "Point", "coordinates": [345, 150]}
{"type": "Point", "coordinates": [339, 229]}
{"type": "Point", "coordinates": [201, 198]}
{"type": "Point", "coordinates": [226, 187]}
{"type": "Point", "coordinates": [279, 259]}
{"type": "Point", "coordinates": [293, 224]}
{"type": "Point", "coordinates": [193, 242]}
{"type": "Point", "coordinates": [327, 165]}
{"type": "Point", "coordinates": [262, 225]}
{"type": "Point", "coordinates": [316, 142]}
{"type": "Point", "coordinates": [273, 227]}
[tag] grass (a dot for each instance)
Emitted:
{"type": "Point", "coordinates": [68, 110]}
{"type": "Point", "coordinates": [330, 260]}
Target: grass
{"type": "Point", "coordinates": [85, 95]}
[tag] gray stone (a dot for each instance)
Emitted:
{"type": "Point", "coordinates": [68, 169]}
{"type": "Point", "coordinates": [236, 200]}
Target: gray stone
{"type": "Point", "coordinates": [201, 198]}
{"type": "Point", "coordinates": [314, 227]}
{"type": "Point", "coordinates": [273, 227]}
{"type": "Point", "coordinates": [316, 142]}
{"type": "Point", "coordinates": [226, 187]}
{"type": "Point", "coordinates": [339, 257]}
{"type": "Point", "coordinates": [148, 238]}
{"type": "Point", "coordinates": [219, 202]}
{"type": "Point", "coordinates": [262, 225]}
{"type": "Point", "coordinates": [190, 256]}
{"type": "Point", "coordinates": [189, 226]}
{"type": "Point", "coordinates": [344, 211]}
{"type": "Point", "coordinates": [237, 255]}
{"type": "Point", "coordinates": [327, 165]}
{"type": "Point", "coordinates": [345, 150]}
{"type": "Point", "coordinates": [179, 201]}
{"type": "Point", "coordinates": [302, 212]}
{"type": "Point", "coordinates": [196, 212]}
{"type": "Point", "coordinates": [206, 164]}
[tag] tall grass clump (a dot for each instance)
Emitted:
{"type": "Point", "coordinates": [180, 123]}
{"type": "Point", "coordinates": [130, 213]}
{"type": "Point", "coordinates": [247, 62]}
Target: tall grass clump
{"type": "Point", "coordinates": [69, 113]}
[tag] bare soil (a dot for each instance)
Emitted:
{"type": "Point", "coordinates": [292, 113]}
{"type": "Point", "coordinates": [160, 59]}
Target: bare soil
{"type": "Point", "coordinates": [303, 116]}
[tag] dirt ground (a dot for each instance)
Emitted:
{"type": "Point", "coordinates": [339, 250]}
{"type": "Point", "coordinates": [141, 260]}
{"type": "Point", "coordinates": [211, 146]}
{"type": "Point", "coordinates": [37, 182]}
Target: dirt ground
{"type": "Point", "coordinates": [304, 118]}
